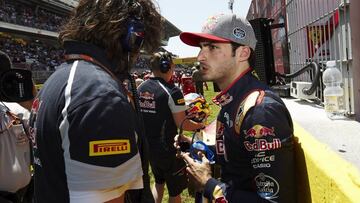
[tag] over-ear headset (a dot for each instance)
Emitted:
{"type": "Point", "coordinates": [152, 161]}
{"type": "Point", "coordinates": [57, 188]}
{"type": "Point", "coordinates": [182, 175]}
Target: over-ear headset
{"type": "Point", "coordinates": [135, 32]}
{"type": "Point", "coordinates": [16, 85]}
{"type": "Point", "coordinates": [165, 62]}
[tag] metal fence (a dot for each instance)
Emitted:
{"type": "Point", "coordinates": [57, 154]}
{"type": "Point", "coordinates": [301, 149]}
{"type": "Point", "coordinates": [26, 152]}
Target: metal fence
{"type": "Point", "coordinates": [319, 31]}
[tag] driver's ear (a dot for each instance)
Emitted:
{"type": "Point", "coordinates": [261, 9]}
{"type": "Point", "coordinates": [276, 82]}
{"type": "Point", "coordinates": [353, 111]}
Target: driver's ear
{"type": "Point", "coordinates": [243, 53]}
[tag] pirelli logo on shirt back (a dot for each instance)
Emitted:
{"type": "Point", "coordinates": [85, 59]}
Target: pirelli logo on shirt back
{"type": "Point", "coordinates": [109, 147]}
{"type": "Point", "coordinates": [181, 101]}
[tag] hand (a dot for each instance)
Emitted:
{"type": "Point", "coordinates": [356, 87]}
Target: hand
{"type": "Point", "coordinates": [202, 126]}
{"type": "Point", "coordinates": [26, 104]}
{"type": "Point", "coordinates": [180, 138]}
{"type": "Point", "coordinates": [177, 140]}
{"type": "Point", "coordinates": [199, 173]}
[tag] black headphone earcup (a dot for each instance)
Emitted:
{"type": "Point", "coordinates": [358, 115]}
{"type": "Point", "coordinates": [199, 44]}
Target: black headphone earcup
{"type": "Point", "coordinates": [165, 63]}
{"type": "Point", "coordinates": [164, 66]}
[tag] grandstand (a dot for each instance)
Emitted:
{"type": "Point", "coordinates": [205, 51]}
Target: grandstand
{"type": "Point", "coordinates": [29, 31]}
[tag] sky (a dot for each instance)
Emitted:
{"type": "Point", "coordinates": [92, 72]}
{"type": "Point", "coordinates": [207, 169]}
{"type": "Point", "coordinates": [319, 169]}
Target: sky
{"type": "Point", "coordinates": [190, 15]}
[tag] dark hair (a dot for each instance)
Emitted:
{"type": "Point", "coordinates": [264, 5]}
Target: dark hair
{"type": "Point", "coordinates": [234, 46]}
{"type": "Point", "coordinates": [251, 58]}
{"type": "Point", "coordinates": [5, 61]}
{"type": "Point", "coordinates": [104, 22]}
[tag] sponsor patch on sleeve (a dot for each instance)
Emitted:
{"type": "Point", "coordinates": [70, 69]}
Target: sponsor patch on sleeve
{"type": "Point", "coordinates": [109, 147]}
{"type": "Point", "coordinates": [181, 101]}
{"type": "Point", "coordinates": [267, 187]}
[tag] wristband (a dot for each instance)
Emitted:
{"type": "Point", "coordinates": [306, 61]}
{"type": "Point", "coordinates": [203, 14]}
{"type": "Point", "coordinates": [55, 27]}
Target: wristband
{"type": "Point", "coordinates": [209, 188]}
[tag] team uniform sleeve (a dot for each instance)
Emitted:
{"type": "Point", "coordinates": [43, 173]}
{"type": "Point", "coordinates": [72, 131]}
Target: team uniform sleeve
{"type": "Point", "coordinates": [268, 140]}
{"type": "Point", "coordinates": [176, 101]}
{"type": "Point", "coordinates": [102, 131]}
{"type": "Point", "coordinates": [268, 144]}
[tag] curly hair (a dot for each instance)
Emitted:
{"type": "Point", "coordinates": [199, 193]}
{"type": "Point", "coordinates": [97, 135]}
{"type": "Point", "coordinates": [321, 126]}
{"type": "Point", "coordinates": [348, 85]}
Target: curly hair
{"type": "Point", "coordinates": [104, 22]}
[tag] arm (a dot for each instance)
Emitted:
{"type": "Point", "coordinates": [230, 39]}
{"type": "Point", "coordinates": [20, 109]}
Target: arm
{"type": "Point", "coordinates": [188, 124]}
{"type": "Point", "coordinates": [96, 141]}
{"type": "Point", "coordinates": [26, 104]}
{"type": "Point", "coordinates": [266, 139]}
{"type": "Point", "coordinates": [177, 105]}
{"type": "Point", "coordinates": [267, 134]}
{"type": "Point", "coordinates": [273, 162]}
{"type": "Point", "coordinates": [215, 190]}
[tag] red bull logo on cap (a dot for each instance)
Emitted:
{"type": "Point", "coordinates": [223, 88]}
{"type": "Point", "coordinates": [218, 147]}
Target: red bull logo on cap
{"type": "Point", "coordinates": [259, 131]}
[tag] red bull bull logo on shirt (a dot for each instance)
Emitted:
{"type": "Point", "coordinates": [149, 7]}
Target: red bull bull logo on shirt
{"type": "Point", "coordinates": [259, 131]}
{"type": "Point", "coordinates": [146, 95]}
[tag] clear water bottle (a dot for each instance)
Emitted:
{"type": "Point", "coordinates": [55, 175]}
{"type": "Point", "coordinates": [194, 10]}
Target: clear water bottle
{"type": "Point", "coordinates": [333, 93]}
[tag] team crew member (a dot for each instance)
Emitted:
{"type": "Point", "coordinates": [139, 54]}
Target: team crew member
{"type": "Point", "coordinates": [163, 109]}
{"type": "Point", "coordinates": [15, 149]}
{"type": "Point", "coordinates": [254, 138]}
{"type": "Point", "coordinates": [85, 129]}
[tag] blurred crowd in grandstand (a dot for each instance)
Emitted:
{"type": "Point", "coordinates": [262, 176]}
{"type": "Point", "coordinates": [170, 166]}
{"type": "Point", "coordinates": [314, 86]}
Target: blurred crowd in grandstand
{"type": "Point", "coordinates": [31, 16]}
{"type": "Point", "coordinates": [34, 55]}
{"type": "Point", "coordinates": [39, 55]}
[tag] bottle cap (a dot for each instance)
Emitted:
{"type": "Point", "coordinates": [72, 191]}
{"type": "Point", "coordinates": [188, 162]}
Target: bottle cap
{"type": "Point", "coordinates": [331, 63]}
